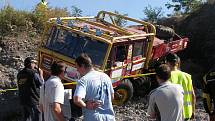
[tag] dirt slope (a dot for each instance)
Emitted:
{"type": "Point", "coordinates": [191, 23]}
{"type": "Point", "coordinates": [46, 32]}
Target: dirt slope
{"type": "Point", "coordinates": [199, 27]}
{"type": "Point", "coordinates": [13, 50]}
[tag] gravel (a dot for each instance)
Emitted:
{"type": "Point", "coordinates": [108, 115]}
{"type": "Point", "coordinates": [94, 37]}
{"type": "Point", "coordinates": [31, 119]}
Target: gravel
{"type": "Point", "coordinates": [136, 110]}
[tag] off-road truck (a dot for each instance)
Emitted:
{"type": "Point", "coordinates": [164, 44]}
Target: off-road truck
{"type": "Point", "coordinates": [128, 54]}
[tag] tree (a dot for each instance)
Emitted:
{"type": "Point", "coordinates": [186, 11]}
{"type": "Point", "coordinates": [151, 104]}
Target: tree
{"type": "Point", "coordinates": [184, 6]}
{"type": "Point", "coordinates": [77, 12]}
{"type": "Point", "coordinates": [42, 13]}
{"type": "Point", "coordinates": [119, 20]}
{"type": "Point", "coordinates": [152, 14]}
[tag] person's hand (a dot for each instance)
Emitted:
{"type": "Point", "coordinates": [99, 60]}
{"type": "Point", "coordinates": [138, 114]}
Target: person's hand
{"type": "Point", "coordinates": [40, 71]}
{"type": "Point", "coordinates": [40, 108]}
{"type": "Point", "coordinates": [92, 105]}
{"type": "Point", "coordinates": [41, 74]}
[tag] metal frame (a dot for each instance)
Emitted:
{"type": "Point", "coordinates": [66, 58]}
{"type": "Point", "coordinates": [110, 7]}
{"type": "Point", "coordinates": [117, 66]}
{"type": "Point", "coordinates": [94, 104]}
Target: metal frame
{"type": "Point", "coordinates": [98, 21]}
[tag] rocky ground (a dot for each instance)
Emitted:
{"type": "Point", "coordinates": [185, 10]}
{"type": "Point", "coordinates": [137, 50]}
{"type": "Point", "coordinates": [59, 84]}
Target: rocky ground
{"type": "Point", "coordinates": [135, 110]}
{"type": "Point", "coordinates": [14, 49]}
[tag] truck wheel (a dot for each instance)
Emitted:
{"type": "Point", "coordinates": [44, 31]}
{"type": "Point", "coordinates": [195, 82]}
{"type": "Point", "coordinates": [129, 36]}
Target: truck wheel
{"type": "Point", "coordinates": [123, 92]}
{"type": "Point", "coordinates": [164, 32]}
{"type": "Point", "coordinates": [142, 86]}
{"type": "Point", "coordinates": [207, 105]}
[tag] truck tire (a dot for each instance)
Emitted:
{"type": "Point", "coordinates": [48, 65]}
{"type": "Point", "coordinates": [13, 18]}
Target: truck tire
{"type": "Point", "coordinates": [123, 92]}
{"type": "Point", "coordinates": [164, 32]}
{"type": "Point", "coordinates": [142, 86]}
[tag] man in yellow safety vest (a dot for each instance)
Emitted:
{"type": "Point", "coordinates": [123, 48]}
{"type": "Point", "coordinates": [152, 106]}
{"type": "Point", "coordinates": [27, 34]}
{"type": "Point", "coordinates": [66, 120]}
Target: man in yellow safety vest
{"type": "Point", "coordinates": [184, 79]}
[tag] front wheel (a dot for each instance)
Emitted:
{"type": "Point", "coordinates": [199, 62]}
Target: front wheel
{"type": "Point", "coordinates": [123, 92]}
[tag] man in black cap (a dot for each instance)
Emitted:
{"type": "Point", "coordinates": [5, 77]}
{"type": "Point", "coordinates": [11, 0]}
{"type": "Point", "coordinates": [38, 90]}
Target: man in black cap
{"type": "Point", "coordinates": [29, 81]}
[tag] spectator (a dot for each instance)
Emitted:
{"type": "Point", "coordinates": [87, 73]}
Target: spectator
{"type": "Point", "coordinates": [184, 79]}
{"type": "Point", "coordinates": [94, 92]}
{"type": "Point", "coordinates": [52, 94]}
{"type": "Point", "coordinates": [166, 101]}
{"type": "Point", "coordinates": [29, 81]}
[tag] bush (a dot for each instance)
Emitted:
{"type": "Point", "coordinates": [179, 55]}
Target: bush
{"type": "Point", "coordinates": [42, 14]}
{"type": "Point", "coordinates": [6, 16]}
{"type": "Point", "coordinates": [14, 20]}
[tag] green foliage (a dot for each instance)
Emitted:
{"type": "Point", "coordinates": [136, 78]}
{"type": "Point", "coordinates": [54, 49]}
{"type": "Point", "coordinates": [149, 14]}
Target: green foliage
{"type": "Point", "coordinates": [184, 6]}
{"type": "Point", "coordinates": [42, 14]}
{"type": "Point", "coordinates": [12, 20]}
{"type": "Point", "coordinates": [76, 11]}
{"type": "Point", "coordinates": [152, 14]}
{"type": "Point", "coordinates": [120, 21]}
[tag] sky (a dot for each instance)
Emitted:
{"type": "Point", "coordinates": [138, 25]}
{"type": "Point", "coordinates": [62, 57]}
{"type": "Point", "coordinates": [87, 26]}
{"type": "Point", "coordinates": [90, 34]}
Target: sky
{"type": "Point", "coordinates": [134, 8]}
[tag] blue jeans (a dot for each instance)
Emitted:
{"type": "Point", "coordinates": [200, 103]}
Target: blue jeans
{"type": "Point", "coordinates": [31, 112]}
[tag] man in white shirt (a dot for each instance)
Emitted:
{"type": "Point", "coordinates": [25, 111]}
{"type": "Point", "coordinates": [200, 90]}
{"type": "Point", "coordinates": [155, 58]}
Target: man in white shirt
{"type": "Point", "coordinates": [52, 94]}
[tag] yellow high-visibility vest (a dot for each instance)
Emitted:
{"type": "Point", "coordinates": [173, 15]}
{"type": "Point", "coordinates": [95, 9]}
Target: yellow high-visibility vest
{"type": "Point", "coordinates": [184, 79]}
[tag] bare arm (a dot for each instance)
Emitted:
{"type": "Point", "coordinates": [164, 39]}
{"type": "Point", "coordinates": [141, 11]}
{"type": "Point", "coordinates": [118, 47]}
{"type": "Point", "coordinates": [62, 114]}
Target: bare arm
{"type": "Point", "coordinates": [41, 74]}
{"type": "Point", "coordinates": [58, 112]}
{"type": "Point", "coordinates": [38, 77]}
{"type": "Point", "coordinates": [112, 96]}
{"type": "Point", "coordinates": [40, 107]}
{"type": "Point", "coordinates": [193, 102]}
{"type": "Point", "coordinates": [79, 102]}
{"type": "Point", "coordinates": [152, 108]}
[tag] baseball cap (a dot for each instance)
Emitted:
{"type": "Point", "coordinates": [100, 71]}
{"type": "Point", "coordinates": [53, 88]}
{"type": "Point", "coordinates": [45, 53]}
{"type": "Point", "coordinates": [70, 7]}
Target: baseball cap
{"type": "Point", "coordinates": [29, 60]}
{"type": "Point", "coordinates": [171, 57]}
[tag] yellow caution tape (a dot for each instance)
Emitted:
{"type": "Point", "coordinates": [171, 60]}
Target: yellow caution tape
{"type": "Point", "coordinates": [69, 83]}
{"type": "Point", "coordinates": [134, 76]}
{"type": "Point", "coordinates": [12, 89]}
{"type": "Point", "coordinates": [139, 75]}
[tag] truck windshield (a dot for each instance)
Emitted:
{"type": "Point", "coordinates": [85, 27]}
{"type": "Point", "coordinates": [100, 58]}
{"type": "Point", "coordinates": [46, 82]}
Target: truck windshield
{"type": "Point", "coordinates": [72, 45]}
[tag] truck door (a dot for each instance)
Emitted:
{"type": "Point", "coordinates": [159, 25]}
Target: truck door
{"type": "Point", "coordinates": [138, 56]}
{"type": "Point", "coordinates": [119, 61]}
